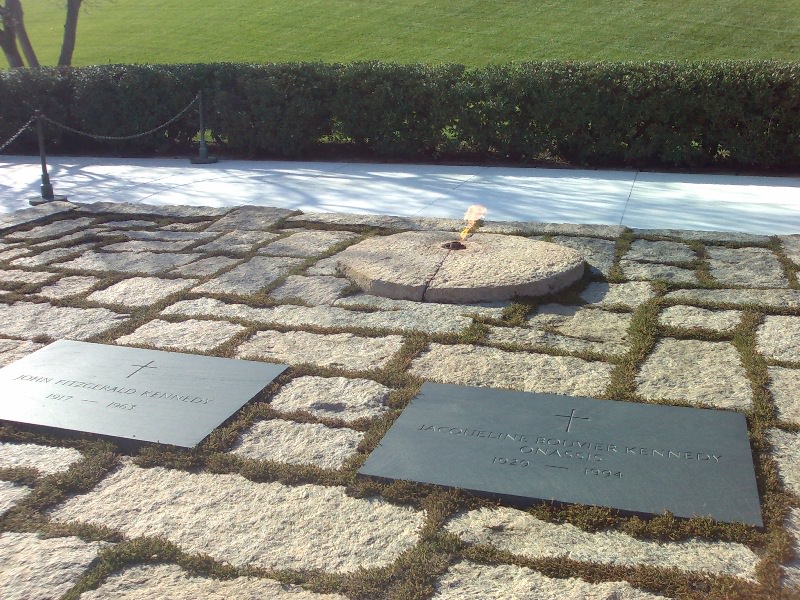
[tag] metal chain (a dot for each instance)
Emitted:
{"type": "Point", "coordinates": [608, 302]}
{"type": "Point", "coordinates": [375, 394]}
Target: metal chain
{"type": "Point", "coordinates": [121, 137]}
{"type": "Point", "coordinates": [16, 135]}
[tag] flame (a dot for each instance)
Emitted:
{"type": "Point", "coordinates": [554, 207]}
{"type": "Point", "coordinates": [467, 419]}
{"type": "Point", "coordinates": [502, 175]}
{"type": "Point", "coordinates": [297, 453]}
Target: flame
{"type": "Point", "coordinates": [474, 214]}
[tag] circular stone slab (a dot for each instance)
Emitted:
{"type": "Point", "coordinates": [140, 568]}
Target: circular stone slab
{"type": "Point", "coordinates": [414, 266]}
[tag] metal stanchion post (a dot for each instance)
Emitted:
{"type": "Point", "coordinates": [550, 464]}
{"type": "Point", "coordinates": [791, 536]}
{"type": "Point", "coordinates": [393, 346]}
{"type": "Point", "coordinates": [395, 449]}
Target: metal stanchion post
{"type": "Point", "coordinates": [47, 188]}
{"type": "Point", "coordinates": [203, 158]}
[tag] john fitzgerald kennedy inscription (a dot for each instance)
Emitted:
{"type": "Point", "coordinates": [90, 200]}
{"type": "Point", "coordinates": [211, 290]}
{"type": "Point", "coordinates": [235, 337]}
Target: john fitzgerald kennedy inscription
{"type": "Point", "coordinates": [132, 393]}
{"type": "Point", "coordinates": [525, 447]}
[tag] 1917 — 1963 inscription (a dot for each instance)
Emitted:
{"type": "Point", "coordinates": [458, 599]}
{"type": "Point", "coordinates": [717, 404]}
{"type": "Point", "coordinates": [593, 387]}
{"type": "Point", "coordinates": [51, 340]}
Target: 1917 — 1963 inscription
{"type": "Point", "coordinates": [132, 393]}
{"type": "Point", "coordinates": [524, 447]}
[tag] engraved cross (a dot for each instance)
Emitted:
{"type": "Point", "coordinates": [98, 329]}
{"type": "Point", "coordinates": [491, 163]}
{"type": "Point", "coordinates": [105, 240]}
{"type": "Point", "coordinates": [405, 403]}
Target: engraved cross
{"type": "Point", "coordinates": [571, 416]}
{"type": "Point", "coordinates": [147, 366]}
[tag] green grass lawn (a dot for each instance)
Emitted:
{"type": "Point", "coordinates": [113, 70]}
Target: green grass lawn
{"type": "Point", "coordinates": [471, 32]}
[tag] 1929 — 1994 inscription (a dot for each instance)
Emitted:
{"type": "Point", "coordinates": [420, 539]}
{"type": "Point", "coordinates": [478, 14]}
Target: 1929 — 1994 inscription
{"type": "Point", "coordinates": [132, 393]}
{"type": "Point", "coordinates": [525, 447]}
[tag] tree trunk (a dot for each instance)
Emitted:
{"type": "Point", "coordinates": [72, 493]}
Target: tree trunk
{"type": "Point", "coordinates": [8, 42]}
{"type": "Point", "coordinates": [15, 8]}
{"type": "Point", "coordinates": [70, 32]}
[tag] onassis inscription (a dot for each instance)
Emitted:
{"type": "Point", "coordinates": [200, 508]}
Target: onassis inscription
{"type": "Point", "coordinates": [132, 393]}
{"type": "Point", "coordinates": [524, 447]}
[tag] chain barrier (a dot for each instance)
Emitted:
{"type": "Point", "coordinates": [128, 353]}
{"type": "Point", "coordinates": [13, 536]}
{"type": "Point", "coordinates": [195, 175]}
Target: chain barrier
{"type": "Point", "coordinates": [120, 137]}
{"type": "Point", "coordinates": [19, 133]}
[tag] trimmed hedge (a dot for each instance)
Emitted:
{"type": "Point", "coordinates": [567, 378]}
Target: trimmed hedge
{"type": "Point", "coordinates": [721, 115]}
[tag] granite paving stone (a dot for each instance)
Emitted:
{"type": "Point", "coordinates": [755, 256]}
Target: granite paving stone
{"type": "Point", "coordinates": [697, 372]}
{"type": "Point", "coordinates": [324, 266]}
{"type": "Point", "coordinates": [599, 254]}
{"type": "Point", "coordinates": [307, 243]}
{"type": "Point", "coordinates": [34, 568]}
{"type": "Point", "coordinates": [791, 247]}
{"type": "Point", "coordinates": [786, 452]}
{"type": "Point", "coordinates": [311, 290]}
{"type": "Point", "coordinates": [69, 238]}
{"type": "Point", "coordinates": [298, 443]}
{"type": "Point", "coordinates": [435, 310]}
{"type": "Point", "coordinates": [165, 235]}
{"type": "Point", "coordinates": [784, 385]}
{"type": "Point", "coordinates": [536, 339]}
{"type": "Point", "coordinates": [719, 237]}
{"type": "Point", "coordinates": [639, 271]}
{"type": "Point", "coordinates": [160, 210]}
{"type": "Point", "coordinates": [770, 299]}
{"type": "Point", "coordinates": [690, 317]}
{"type": "Point", "coordinates": [193, 226]}
{"type": "Point", "coordinates": [50, 256]}
{"type": "Point", "coordinates": [792, 569]}
{"type": "Point", "coordinates": [467, 579]}
{"type": "Point", "coordinates": [778, 338]}
{"type": "Point", "coordinates": [20, 276]}
{"type": "Point", "coordinates": [341, 350]}
{"type": "Point", "coordinates": [575, 229]}
{"type": "Point", "coordinates": [244, 523]}
{"type": "Point", "coordinates": [129, 224]}
{"type": "Point", "coordinates": [192, 335]}
{"type": "Point", "coordinates": [250, 277]}
{"type": "Point", "coordinates": [55, 229]}
{"type": "Point", "coordinates": [30, 320]}
{"type": "Point", "coordinates": [70, 286]}
{"type": "Point", "coordinates": [140, 291]}
{"type": "Point", "coordinates": [161, 582]}
{"type": "Point", "coordinates": [250, 217]}
{"type": "Point", "coordinates": [33, 214]}
{"type": "Point", "coordinates": [206, 266]}
{"type": "Point", "coordinates": [627, 295]}
{"type": "Point", "coordinates": [45, 459]}
{"type": "Point", "coordinates": [10, 494]}
{"type": "Point", "coordinates": [238, 242]}
{"type": "Point", "coordinates": [351, 220]}
{"type": "Point", "coordinates": [148, 263]}
{"type": "Point", "coordinates": [522, 534]}
{"type": "Point", "coordinates": [751, 267]}
{"type": "Point", "coordinates": [333, 398]}
{"type": "Point", "coordinates": [147, 246]}
{"type": "Point", "coordinates": [477, 366]}
{"type": "Point", "coordinates": [11, 253]}
{"type": "Point", "coordinates": [11, 350]}
{"type": "Point", "coordinates": [587, 323]}
{"type": "Point", "coordinates": [660, 252]}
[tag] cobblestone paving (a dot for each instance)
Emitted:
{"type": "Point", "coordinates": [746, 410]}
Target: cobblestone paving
{"type": "Point", "coordinates": [269, 505]}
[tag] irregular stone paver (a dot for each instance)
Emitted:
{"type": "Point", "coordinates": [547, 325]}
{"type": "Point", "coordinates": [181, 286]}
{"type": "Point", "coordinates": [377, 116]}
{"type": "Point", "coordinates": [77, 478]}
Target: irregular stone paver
{"type": "Point", "coordinates": [298, 443]}
{"type": "Point", "coordinates": [50, 256]}
{"type": "Point", "coordinates": [238, 242]}
{"type": "Point", "coordinates": [779, 338]}
{"type": "Point", "coordinates": [785, 384]}
{"type": "Point", "coordinates": [520, 533]}
{"type": "Point", "coordinates": [350, 220]}
{"type": "Point", "coordinates": [30, 320]}
{"type": "Point", "coordinates": [587, 323]}
{"type": "Point", "coordinates": [660, 252]}
{"type": "Point", "coordinates": [206, 266]}
{"type": "Point", "coordinates": [719, 237]}
{"type": "Point", "coordinates": [194, 226]}
{"type": "Point", "coordinates": [433, 310]}
{"type": "Point", "coordinates": [235, 520]}
{"type": "Point", "coordinates": [32, 568]}
{"type": "Point", "coordinates": [640, 271]}
{"type": "Point", "coordinates": [66, 287]}
{"type": "Point", "coordinates": [10, 494]}
{"type": "Point", "coordinates": [749, 267]}
{"type": "Point", "coordinates": [690, 317]}
{"type": "Point", "coordinates": [535, 339]}
{"type": "Point", "coordinates": [325, 266]}
{"type": "Point", "coordinates": [323, 316]}
{"type": "Point", "coordinates": [250, 277]}
{"type": "Point", "coordinates": [162, 210]}
{"type": "Point", "coordinates": [19, 276]}
{"type": "Point", "coordinates": [599, 254]}
{"type": "Point", "coordinates": [69, 238]}
{"type": "Point", "coordinates": [791, 247]}
{"type": "Point", "coordinates": [311, 290]}
{"type": "Point", "coordinates": [627, 295]}
{"type": "Point", "coordinates": [250, 217]}
{"type": "Point", "coordinates": [140, 291]}
{"type": "Point", "coordinates": [478, 366]}
{"type": "Point", "coordinates": [11, 350]}
{"type": "Point", "coordinates": [333, 397]}
{"type": "Point", "coordinates": [771, 299]}
{"type": "Point", "coordinates": [13, 252]}
{"type": "Point", "coordinates": [786, 452]}
{"type": "Point", "coordinates": [467, 579]}
{"type": "Point", "coordinates": [792, 570]}
{"type": "Point", "coordinates": [58, 228]}
{"type": "Point", "coordinates": [158, 582]}
{"type": "Point", "coordinates": [45, 459]}
{"type": "Point", "coordinates": [192, 335]}
{"type": "Point", "coordinates": [697, 372]}
{"type": "Point", "coordinates": [341, 350]}
{"type": "Point", "coordinates": [34, 213]}
{"type": "Point", "coordinates": [148, 263]}
{"type": "Point", "coordinates": [307, 243]}
{"type": "Point", "coordinates": [168, 235]}
{"type": "Point", "coordinates": [147, 246]}
{"type": "Point", "coordinates": [129, 224]}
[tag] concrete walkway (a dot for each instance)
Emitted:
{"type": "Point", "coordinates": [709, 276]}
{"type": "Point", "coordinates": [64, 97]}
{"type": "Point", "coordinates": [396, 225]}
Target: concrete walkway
{"type": "Point", "coordinates": [761, 205]}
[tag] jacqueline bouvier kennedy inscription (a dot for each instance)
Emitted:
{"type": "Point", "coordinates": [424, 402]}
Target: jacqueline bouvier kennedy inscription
{"type": "Point", "coordinates": [132, 393]}
{"type": "Point", "coordinates": [524, 447]}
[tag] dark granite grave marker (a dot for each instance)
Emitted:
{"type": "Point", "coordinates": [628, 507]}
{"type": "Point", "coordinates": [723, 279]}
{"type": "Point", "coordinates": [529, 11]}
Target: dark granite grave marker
{"type": "Point", "coordinates": [523, 447]}
{"type": "Point", "coordinates": [132, 393]}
